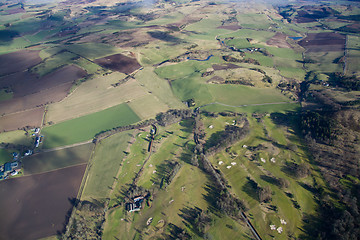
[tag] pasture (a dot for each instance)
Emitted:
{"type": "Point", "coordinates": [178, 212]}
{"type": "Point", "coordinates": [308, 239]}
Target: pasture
{"type": "Point", "coordinates": [95, 95]}
{"type": "Point", "coordinates": [36, 205]}
{"type": "Point", "coordinates": [48, 161]}
{"type": "Point", "coordinates": [16, 137]}
{"type": "Point", "coordinates": [104, 166]}
{"type": "Point", "coordinates": [84, 128]}
{"type": "Point", "coordinates": [147, 106]}
{"type": "Point", "coordinates": [158, 87]}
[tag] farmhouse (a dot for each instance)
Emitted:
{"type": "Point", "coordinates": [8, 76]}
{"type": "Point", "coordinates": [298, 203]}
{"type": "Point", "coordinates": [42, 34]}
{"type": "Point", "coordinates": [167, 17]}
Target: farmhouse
{"type": "Point", "coordinates": [11, 168]}
{"type": "Point", "coordinates": [135, 205]}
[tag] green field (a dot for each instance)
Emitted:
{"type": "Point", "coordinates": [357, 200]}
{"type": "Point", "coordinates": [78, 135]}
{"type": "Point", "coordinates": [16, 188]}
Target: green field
{"type": "Point", "coordinates": [104, 166]}
{"type": "Point", "coordinates": [158, 87]}
{"type": "Point", "coordinates": [5, 156]}
{"type": "Point", "coordinates": [5, 95]}
{"type": "Point", "coordinates": [16, 137]}
{"type": "Point", "coordinates": [84, 128]}
{"type": "Point", "coordinates": [49, 161]}
{"type": "Point", "coordinates": [257, 170]}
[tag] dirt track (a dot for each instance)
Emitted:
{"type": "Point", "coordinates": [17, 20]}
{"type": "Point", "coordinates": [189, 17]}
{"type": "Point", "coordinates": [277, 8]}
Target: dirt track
{"type": "Point", "coordinates": [34, 207]}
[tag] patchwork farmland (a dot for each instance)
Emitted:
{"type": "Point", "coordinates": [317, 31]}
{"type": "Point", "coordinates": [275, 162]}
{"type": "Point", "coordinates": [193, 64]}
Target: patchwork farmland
{"type": "Point", "coordinates": [179, 119]}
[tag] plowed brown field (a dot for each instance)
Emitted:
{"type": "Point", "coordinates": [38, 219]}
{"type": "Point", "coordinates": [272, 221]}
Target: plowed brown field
{"type": "Point", "coordinates": [18, 61]}
{"type": "Point", "coordinates": [15, 121]}
{"type": "Point", "coordinates": [34, 207]}
{"type": "Point", "coordinates": [119, 62]}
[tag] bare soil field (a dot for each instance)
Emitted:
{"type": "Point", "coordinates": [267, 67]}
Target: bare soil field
{"type": "Point", "coordinates": [36, 206]}
{"type": "Point", "coordinates": [38, 99]}
{"type": "Point", "coordinates": [18, 61]}
{"type": "Point", "coordinates": [278, 40]}
{"type": "Point", "coordinates": [323, 42]}
{"type": "Point", "coordinates": [119, 62]}
{"type": "Point", "coordinates": [26, 83]}
{"type": "Point", "coordinates": [15, 121]}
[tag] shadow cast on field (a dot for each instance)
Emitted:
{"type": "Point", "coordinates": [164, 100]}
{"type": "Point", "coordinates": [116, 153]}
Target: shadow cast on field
{"type": "Point", "coordinates": [271, 180]}
{"type": "Point", "coordinates": [250, 188]}
{"type": "Point", "coordinates": [189, 216]}
{"type": "Point", "coordinates": [74, 203]}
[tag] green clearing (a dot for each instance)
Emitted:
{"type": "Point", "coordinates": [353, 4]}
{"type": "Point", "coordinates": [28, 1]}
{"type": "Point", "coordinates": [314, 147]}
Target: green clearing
{"type": "Point", "coordinates": [184, 69]}
{"type": "Point", "coordinates": [205, 29]}
{"type": "Point", "coordinates": [16, 137]}
{"type": "Point", "coordinates": [254, 21]}
{"type": "Point", "coordinates": [325, 61]}
{"type": "Point", "coordinates": [290, 72]}
{"type": "Point", "coordinates": [263, 60]}
{"type": "Point", "coordinates": [104, 166]}
{"type": "Point", "coordinates": [240, 43]}
{"type": "Point", "coordinates": [49, 161]}
{"type": "Point", "coordinates": [256, 170]}
{"type": "Point", "coordinates": [5, 95]}
{"type": "Point", "coordinates": [240, 95]}
{"type": "Point", "coordinates": [5, 156]}
{"type": "Point", "coordinates": [159, 87]}
{"type": "Point", "coordinates": [84, 128]}
{"type": "Point", "coordinates": [261, 36]}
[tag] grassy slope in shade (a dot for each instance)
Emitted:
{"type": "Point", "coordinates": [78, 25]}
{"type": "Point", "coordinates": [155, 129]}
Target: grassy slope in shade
{"type": "Point", "coordinates": [5, 156]}
{"type": "Point", "coordinates": [105, 164]}
{"type": "Point", "coordinates": [84, 128]}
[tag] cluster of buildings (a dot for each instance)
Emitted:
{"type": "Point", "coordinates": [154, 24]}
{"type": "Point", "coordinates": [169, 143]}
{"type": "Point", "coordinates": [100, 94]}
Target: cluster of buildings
{"type": "Point", "coordinates": [13, 168]}
{"type": "Point", "coordinates": [10, 168]}
{"type": "Point", "coordinates": [135, 204]}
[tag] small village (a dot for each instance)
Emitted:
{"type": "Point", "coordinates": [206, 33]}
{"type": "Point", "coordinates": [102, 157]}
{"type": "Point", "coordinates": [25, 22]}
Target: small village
{"type": "Point", "coordinates": [14, 167]}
